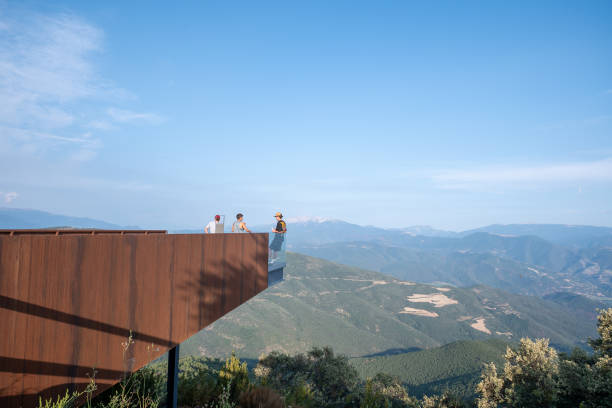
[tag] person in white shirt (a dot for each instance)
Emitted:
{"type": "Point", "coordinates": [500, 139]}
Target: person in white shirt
{"type": "Point", "coordinates": [210, 227]}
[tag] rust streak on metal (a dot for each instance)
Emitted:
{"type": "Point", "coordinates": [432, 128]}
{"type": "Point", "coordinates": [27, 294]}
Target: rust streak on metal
{"type": "Point", "coordinates": [71, 300]}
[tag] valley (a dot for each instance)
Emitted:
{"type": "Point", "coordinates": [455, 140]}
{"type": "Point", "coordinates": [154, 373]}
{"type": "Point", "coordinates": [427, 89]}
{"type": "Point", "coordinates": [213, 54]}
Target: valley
{"type": "Point", "coordinates": [360, 312]}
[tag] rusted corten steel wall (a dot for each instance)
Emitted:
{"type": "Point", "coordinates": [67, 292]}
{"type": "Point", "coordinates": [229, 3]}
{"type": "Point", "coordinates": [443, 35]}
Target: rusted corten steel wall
{"type": "Point", "coordinates": [70, 303]}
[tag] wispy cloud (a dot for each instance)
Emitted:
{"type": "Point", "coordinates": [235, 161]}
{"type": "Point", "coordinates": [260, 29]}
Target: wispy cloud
{"type": "Point", "coordinates": [8, 197]}
{"type": "Point", "coordinates": [45, 68]}
{"type": "Point", "coordinates": [126, 116]}
{"type": "Point", "coordinates": [45, 64]}
{"type": "Point", "coordinates": [47, 73]}
{"type": "Point", "coordinates": [594, 171]}
{"type": "Point", "coordinates": [101, 125]}
{"type": "Point", "coordinates": [31, 141]}
{"type": "Point", "coordinates": [609, 92]}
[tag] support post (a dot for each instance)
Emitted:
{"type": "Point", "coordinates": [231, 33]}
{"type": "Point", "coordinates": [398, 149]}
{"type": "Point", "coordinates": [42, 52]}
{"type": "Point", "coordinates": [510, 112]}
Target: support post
{"type": "Point", "coordinates": [173, 369]}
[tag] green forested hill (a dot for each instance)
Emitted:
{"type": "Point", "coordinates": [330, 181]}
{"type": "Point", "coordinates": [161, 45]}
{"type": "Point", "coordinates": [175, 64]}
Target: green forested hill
{"type": "Point", "coordinates": [359, 312]}
{"type": "Point", "coordinates": [456, 366]}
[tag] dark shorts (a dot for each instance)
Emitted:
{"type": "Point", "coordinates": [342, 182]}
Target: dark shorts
{"type": "Point", "coordinates": [277, 242]}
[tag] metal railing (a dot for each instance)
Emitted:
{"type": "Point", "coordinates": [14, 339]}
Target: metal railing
{"type": "Point", "coordinates": [277, 255]}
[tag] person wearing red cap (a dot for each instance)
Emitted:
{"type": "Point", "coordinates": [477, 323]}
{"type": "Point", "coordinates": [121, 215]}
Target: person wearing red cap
{"type": "Point", "coordinates": [210, 227]}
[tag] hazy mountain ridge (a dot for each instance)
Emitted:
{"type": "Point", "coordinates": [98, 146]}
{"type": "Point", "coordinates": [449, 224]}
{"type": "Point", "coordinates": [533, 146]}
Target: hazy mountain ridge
{"type": "Point", "coordinates": [424, 254]}
{"type": "Point", "coordinates": [454, 268]}
{"type": "Point", "coordinates": [427, 231]}
{"type": "Point", "coordinates": [541, 266]}
{"type": "Point", "coordinates": [24, 218]}
{"type": "Point", "coordinates": [318, 230]}
{"type": "Point", "coordinates": [571, 235]}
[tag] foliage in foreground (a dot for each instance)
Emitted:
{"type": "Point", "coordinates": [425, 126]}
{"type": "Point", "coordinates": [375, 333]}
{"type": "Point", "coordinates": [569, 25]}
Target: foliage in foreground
{"type": "Point", "coordinates": [536, 376]}
{"type": "Point", "coordinates": [67, 401]}
{"type": "Point", "coordinates": [70, 400]}
{"type": "Point", "coordinates": [318, 378]}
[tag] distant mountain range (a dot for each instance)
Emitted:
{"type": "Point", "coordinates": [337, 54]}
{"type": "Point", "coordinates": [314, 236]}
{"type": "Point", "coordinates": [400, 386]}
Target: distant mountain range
{"type": "Point", "coordinates": [319, 230]}
{"type": "Point", "coordinates": [535, 259]}
{"type": "Point", "coordinates": [578, 236]}
{"type": "Point", "coordinates": [313, 231]}
{"type": "Point", "coordinates": [22, 218]}
{"type": "Point", "coordinates": [494, 255]}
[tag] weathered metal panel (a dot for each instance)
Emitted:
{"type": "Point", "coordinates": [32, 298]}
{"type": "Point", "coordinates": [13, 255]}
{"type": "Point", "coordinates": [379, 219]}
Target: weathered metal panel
{"type": "Point", "coordinates": [76, 303]}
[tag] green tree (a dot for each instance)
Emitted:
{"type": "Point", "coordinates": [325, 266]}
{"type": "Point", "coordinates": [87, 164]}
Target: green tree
{"type": "Point", "coordinates": [326, 379]}
{"type": "Point", "coordinates": [332, 375]}
{"type": "Point", "coordinates": [385, 390]}
{"type": "Point", "coordinates": [529, 377]}
{"type": "Point", "coordinates": [490, 387]}
{"type": "Point", "coordinates": [586, 380]}
{"type": "Point", "coordinates": [603, 344]}
{"type": "Point", "coordinates": [198, 382]}
{"type": "Point", "coordinates": [372, 397]}
{"type": "Point", "coordinates": [530, 372]}
{"type": "Point", "coordinates": [535, 376]}
{"type": "Point", "coordinates": [446, 400]}
{"type": "Point", "coordinates": [576, 377]}
{"type": "Point", "coordinates": [236, 374]}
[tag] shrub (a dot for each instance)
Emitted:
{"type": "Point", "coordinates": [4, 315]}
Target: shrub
{"type": "Point", "coordinates": [225, 398]}
{"type": "Point", "coordinates": [301, 394]}
{"type": "Point", "coordinates": [71, 400]}
{"type": "Point", "coordinates": [386, 391]}
{"type": "Point", "coordinates": [236, 374]}
{"type": "Point", "coordinates": [143, 388]}
{"type": "Point", "coordinates": [318, 378]}
{"type": "Point", "coordinates": [67, 401]}
{"type": "Point", "coordinates": [198, 383]}
{"type": "Point", "coordinates": [534, 375]}
{"type": "Point", "coordinates": [446, 400]}
{"type": "Point", "coordinates": [261, 397]}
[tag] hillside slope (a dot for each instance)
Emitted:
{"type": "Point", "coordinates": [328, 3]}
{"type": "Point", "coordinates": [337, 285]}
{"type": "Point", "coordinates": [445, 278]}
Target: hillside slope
{"type": "Point", "coordinates": [360, 312]}
{"type": "Point", "coordinates": [456, 366]}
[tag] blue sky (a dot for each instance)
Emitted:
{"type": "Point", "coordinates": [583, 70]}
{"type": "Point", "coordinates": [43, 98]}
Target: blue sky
{"type": "Point", "coordinates": [391, 113]}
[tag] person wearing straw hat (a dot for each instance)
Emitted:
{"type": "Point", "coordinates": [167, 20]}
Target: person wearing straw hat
{"type": "Point", "coordinates": [279, 236]}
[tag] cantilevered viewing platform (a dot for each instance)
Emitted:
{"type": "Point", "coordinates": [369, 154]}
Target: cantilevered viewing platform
{"type": "Point", "coordinates": [79, 303]}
